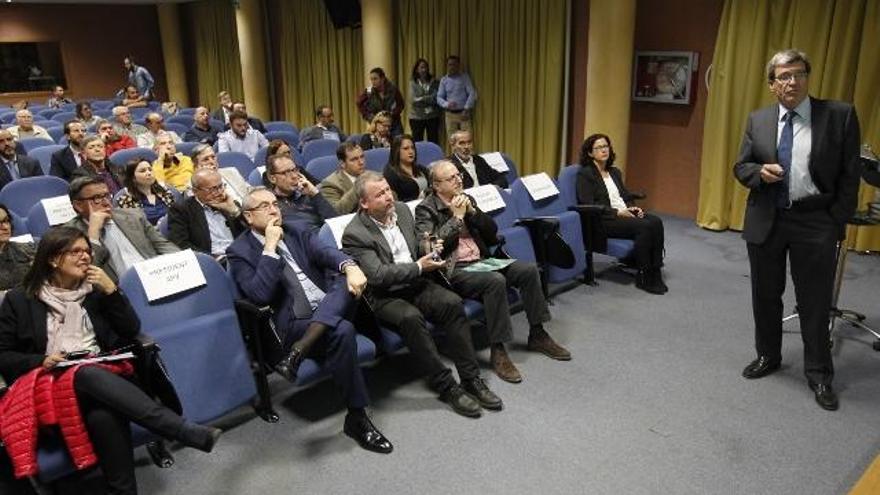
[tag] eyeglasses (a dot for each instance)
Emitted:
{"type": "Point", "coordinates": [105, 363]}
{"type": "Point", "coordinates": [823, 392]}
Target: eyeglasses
{"type": "Point", "coordinates": [288, 172]}
{"type": "Point", "coordinates": [790, 76]}
{"type": "Point", "coordinates": [77, 252]}
{"type": "Point", "coordinates": [600, 148]}
{"type": "Point", "coordinates": [264, 206]}
{"type": "Point", "coordinates": [214, 189]}
{"type": "Point", "coordinates": [450, 178]}
{"type": "Point", "coordinates": [97, 199]}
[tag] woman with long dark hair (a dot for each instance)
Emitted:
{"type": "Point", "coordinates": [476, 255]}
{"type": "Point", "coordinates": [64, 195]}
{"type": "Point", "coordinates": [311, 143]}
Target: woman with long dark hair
{"type": "Point", "coordinates": [599, 182]}
{"type": "Point", "coordinates": [143, 191]}
{"type": "Point", "coordinates": [407, 179]}
{"type": "Point", "coordinates": [424, 113]}
{"type": "Point", "coordinates": [69, 307]}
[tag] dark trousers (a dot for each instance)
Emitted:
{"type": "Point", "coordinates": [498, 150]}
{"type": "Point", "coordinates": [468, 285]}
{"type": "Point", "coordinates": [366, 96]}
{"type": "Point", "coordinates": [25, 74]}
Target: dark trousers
{"type": "Point", "coordinates": [406, 311]}
{"type": "Point", "coordinates": [491, 289]}
{"type": "Point", "coordinates": [426, 127]}
{"type": "Point", "coordinates": [108, 402]}
{"type": "Point", "coordinates": [809, 240]}
{"type": "Point", "coordinates": [337, 348]}
{"type": "Point", "coordinates": [646, 232]}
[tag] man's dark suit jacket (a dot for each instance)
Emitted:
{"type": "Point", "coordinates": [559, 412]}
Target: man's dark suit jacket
{"type": "Point", "coordinates": [63, 163]}
{"type": "Point", "coordinates": [23, 335]}
{"type": "Point", "coordinates": [834, 164]}
{"type": "Point", "coordinates": [312, 209]}
{"type": "Point", "coordinates": [188, 227]}
{"type": "Point", "coordinates": [364, 241]}
{"type": "Point", "coordinates": [27, 167]}
{"type": "Point", "coordinates": [261, 279]}
{"type": "Point", "coordinates": [485, 173]}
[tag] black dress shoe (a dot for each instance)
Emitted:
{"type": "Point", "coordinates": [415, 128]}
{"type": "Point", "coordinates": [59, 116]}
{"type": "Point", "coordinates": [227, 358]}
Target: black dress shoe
{"type": "Point", "coordinates": [461, 402]}
{"type": "Point", "coordinates": [477, 389]}
{"type": "Point", "coordinates": [289, 366]}
{"type": "Point", "coordinates": [362, 430]}
{"type": "Point", "coordinates": [646, 282]}
{"type": "Point", "coordinates": [761, 367]}
{"type": "Point", "coordinates": [825, 396]}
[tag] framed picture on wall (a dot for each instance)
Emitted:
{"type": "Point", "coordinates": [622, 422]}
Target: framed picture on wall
{"type": "Point", "coordinates": [664, 77]}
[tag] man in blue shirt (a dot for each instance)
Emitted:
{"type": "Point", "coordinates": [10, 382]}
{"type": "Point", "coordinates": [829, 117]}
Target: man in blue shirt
{"type": "Point", "coordinates": [456, 96]}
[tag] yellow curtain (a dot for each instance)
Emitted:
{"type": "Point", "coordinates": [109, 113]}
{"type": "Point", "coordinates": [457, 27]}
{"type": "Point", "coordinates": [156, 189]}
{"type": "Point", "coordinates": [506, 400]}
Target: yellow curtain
{"type": "Point", "coordinates": [319, 65]}
{"type": "Point", "coordinates": [214, 50]}
{"type": "Point", "coordinates": [840, 37]}
{"type": "Point", "coordinates": [514, 51]}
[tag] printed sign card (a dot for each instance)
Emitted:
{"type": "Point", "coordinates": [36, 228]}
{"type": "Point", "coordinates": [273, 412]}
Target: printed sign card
{"type": "Point", "coordinates": [487, 197]}
{"type": "Point", "coordinates": [170, 274]}
{"type": "Point", "coordinates": [58, 209]}
{"type": "Point", "coordinates": [496, 161]}
{"type": "Point", "coordinates": [540, 186]}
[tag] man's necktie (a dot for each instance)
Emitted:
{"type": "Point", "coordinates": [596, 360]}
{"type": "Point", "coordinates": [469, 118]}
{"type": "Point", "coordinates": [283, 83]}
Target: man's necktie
{"type": "Point", "coordinates": [786, 143]}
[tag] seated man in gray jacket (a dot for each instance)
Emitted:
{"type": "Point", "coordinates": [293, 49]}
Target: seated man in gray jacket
{"type": "Point", "coordinates": [119, 237]}
{"type": "Point", "coordinates": [338, 187]}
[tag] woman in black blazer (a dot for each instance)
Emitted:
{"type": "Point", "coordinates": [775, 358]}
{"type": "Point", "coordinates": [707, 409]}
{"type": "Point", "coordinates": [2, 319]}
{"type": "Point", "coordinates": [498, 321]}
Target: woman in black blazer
{"type": "Point", "coordinates": [68, 305]}
{"type": "Point", "coordinates": [406, 178]}
{"type": "Point", "coordinates": [599, 183]}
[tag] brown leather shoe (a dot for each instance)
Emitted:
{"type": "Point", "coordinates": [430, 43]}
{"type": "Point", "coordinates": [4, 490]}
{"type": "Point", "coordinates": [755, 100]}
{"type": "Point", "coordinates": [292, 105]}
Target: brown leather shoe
{"type": "Point", "coordinates": [503, 366]}
{"type": "Point", "coordinates": [541, 341]}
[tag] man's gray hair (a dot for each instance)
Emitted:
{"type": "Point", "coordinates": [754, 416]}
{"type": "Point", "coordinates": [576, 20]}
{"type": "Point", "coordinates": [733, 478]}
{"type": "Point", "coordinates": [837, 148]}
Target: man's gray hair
{"type": "Point", "coordinates": [197, 150]}
{"type": "Point", "coordinates": [149, 116]}
{"type": "Point", "coordinates": [360, 185]}
{"type": "Point", "coordinates": [249, 203]}
{"type": "Point", "coordinates": [101, 122]}
{"type": "Point", "coordinates": [435, 165]}
{"type": "Point", "coordinates": [453, 138]}
{"type": "Point", "coordinates": [118, 109]}
{"type": "Point", "coordinates": [202, 174]}
{"type": "Point", "coordinates": [785, 57]}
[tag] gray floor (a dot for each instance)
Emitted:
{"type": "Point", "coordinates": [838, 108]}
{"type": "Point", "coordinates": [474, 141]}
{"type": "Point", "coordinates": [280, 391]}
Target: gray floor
{"type": "Point", "coordinates": [653, 402]}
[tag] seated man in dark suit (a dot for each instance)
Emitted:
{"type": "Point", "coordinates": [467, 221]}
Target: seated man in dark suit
{"type": "Point", "coordinates": [382, 238]}
{"type": "Point", "coordinates": [474, 169]}
{"type": "Point", "coordinates": [14, 166]}
{"type": "Point", "coordinates": [65, 161]}
{"type": "Point", "coordinates": [286, 267]}
{"type": "Point", "coordinates": [120, 237]}
{"type": "Point", "coordinates": [467, 233]}
{"type": "Point", "coordinates": [299, 198]}
{"type": "Point", "coordinates": [202, 131]}
{"type": "Point", "coordinates": [209, 220]}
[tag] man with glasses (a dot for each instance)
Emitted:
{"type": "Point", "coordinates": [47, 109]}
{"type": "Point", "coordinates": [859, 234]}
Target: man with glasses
{"type": "Point", "coordinates": [209, 220]}
{"type": "Point", "coordinates": [12, 165]}
{"type": "Point", "coordinates": [119, 237]}
{"type": "Point", "coordinates": [467, 234]}
{"type": "Point", "coordinates": [800, 160]}
{"type": "Point", "coordinates": [473, 168]}
{"type": "Point", "coordinates": [155, 123]}
{"type": "Point", "coordinates": [204, 157]}
{"type": "Point", "coordinates": [283, 264]}
{"type": "Point", "coordinates": [65, 160]}
{"type": "Point", "coordinates": [125, 125]}
{"type": "Point", "coordinates": [299, 198]}
{"type": "Point", "coordinates": [338, 187]}
{"type": "Point", "coordinates": [241, 137]}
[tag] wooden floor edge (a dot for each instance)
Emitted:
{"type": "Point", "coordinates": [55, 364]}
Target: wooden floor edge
{"type": "Point", "coordinates": [869, 483]}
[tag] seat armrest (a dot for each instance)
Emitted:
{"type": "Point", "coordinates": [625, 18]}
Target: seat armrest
{"type": "Point", "coordinates": [246, 308]}
{"type": "Point", "coordinates": [592, 210]}
{"type": "Point", "coordinates": [637, 195]}
{"type": "Point", "coordinates": [146, 342]}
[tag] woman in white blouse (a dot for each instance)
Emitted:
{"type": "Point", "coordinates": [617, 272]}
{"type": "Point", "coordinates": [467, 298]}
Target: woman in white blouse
{"type": "Point", "coordinates": [600, 183]}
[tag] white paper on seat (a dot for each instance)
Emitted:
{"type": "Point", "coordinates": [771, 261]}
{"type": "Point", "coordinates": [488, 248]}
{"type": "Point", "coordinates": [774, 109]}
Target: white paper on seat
{"type": "Point", "coordinates": [22, 239]}
{"type": "Point", "coordinates": [58, 209]}
{"type": "Point", "coordinates": [236, 186]}
{"type": "Point", "coordinates": [496, 161]}
{"type": "Point", "coordinates": [412, 205]}
{"type": "Point", "coordinates": [170, 274]}
{"type": "Point", "coordinates": [337, 226]}
{"type": "Point", "coordinates": [487, 197]}
{"type": "Point", "coordinates": [540, 186]}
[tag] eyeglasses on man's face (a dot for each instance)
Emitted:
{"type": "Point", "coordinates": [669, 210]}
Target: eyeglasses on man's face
{"type": "Point", "coordinates": [265, 206]}
{"type": "Point", "coordinates": [788, 77]}
{"type": "Point", "coordinates": [451, 178]}
{"type": "Point", "coordinates": [97, 198]}
{"type": "Point", "coordinates": [288, 172]}
{"type": "Point", "coordinates": [213, 189]}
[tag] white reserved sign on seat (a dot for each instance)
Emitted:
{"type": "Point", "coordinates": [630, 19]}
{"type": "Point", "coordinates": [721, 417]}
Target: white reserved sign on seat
{"type": "Point", "coordinates": [487, 197]}
{"type": "Point", "coordinates": [412, 205]}
{"type": "Point", "coordinates": [337, 226]}
{"type": "Point", "coordinates": [540, 186]}
{"type": "Point", "coordinates": [170, 274]}
{"type": "Point", "coordinates": [22, 239]}
{"type": "Point", "coordinates": [58, 209]}
{"type": "Point", "coordinates": [496, 161]}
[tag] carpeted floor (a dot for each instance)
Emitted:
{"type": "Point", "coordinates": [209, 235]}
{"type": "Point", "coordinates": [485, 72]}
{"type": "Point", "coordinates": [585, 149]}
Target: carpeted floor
{"type": "Point", "coordinates": [653, 402]}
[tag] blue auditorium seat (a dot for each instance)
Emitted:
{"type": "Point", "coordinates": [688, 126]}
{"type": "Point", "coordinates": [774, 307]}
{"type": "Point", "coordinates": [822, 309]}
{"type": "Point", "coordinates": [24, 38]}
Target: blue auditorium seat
{"type": "Point", "coordinates": [319, 147]}
{"type": "Point", "coordinates": [44, 154]}
{"type": "Point", "coordinates": [322, 166]}
{"type": "Point", "coordinates": [428, 152]}
{"type": "Point", "coordinates": [20, 195]}
{"type": "Point", "coordinates": [242, 162]}
{"type": "Point", "coordinates": [376, 159]}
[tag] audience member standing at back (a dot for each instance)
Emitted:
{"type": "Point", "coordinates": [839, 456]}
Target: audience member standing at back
{"type": "Point", "coordinates": [457, 96]}
{"type": "Point", "coordinates": [381, 95]}
{"type": "Point", "coordinates": [139, 77]}
{"type": "Point", "coordinates": [424, 114]}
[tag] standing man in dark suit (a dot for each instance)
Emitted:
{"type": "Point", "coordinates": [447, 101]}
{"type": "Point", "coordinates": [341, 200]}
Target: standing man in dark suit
{"type": "Point", "coordinates": [67, 159]}
{"type": "Point", "coordinates": [209, 220]}
{"type": "Point", "coordinates": [382, 238]}
{"type": "Point", "coordinates": [799, 158]}
{"type": "Point", "coordinates": [286, 267]}
{"type": "Point", "coordinates": [474, 169]}
{"type": "Point", "coordinates": [14, 166]}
